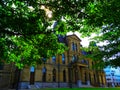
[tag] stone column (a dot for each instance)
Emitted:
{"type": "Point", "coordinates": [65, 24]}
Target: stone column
{"type": "Point", "coordinates": [105, 82]}
{"type": "Point", "coordinates": [88, 79]}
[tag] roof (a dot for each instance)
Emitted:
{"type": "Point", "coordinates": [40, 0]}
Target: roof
{"type": "Point", "coordinates": [73, 35]}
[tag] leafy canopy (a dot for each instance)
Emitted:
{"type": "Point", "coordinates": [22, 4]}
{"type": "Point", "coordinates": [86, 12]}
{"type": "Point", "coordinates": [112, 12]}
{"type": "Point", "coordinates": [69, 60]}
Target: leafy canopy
{"type": "Point", "coordinates": [105, 14]}
{"type": "Point", "coordinates": [26, 35]}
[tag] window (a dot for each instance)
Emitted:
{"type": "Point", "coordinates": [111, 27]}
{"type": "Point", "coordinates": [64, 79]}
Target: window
{"type": "Point", "coordinates": [84, 61]}
{"type": "Point", "coordinates": [61, 38]}
{"type": "Point", "coordinates": [74, 58]}
{"type": "Point", "coordinates": [63, 58]}
{"type": "Point", "coordinates": [54, 59]}
{"type": "Point", "coordinates": [44, 70]}
{"type": "Point", "coordinates": [73, 46]}
{"type": "Point", "coordinates": [64, 76]}
{"type": "Point", "coordinates": [1, 66]}
{"type": "Point", "coordinates": [84, 52]}
{"type": "Point", "coordinates": [32, 75]}
{"type": "Point", "coordinates": [54, 75]}
{"type": "Point", "coordinates": [32, 69]}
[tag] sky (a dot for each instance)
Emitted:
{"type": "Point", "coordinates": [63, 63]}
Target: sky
{"type": "Point", "coordinates": [85, 41]}
{"type": "Point", "coordinates": [109, 69]}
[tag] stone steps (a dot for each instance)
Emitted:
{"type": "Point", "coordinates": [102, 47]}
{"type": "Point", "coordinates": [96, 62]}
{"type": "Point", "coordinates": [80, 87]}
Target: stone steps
{"type": "Point", "coordinates": [32, 87]}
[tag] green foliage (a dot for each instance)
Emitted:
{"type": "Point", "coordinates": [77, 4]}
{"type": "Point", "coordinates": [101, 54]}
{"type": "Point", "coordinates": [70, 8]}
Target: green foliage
{"type": "Point", "coordinates": [26, 38]}
{"type": "Point", "coordinates": [105, 15]}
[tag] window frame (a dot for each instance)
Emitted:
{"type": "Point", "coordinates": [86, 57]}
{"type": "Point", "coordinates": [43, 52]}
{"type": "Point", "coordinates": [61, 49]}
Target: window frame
{"type": "Point", "coordinates": [63, 58]}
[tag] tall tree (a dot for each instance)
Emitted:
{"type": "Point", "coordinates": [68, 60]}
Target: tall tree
{"type": "Point", "coordinates": [105, 15]}
{"type": "Point", "coordinates": [26, 35]}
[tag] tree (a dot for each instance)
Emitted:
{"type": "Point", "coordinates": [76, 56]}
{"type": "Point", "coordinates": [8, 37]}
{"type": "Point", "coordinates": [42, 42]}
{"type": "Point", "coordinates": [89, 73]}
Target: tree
{"type": "Point", "coordinates": [25, 25]}
{"type": "Point", "coordinates": [105, 15]}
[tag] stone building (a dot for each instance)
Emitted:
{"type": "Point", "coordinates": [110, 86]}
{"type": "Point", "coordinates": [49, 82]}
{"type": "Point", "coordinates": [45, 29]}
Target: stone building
{"type": "Point", "coordinates": [112, 76]}
{"type": "Point", "coordinates": [69, 69]}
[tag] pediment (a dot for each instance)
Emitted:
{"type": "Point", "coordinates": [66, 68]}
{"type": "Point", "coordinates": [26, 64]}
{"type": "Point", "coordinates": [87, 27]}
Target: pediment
{"type": "Point", "coordinates": [74, 37]}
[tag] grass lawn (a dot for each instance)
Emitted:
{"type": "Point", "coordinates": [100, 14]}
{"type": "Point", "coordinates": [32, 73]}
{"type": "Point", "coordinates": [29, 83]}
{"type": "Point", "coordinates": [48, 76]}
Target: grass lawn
{"type": "Point", "coordinates": [78, 89]}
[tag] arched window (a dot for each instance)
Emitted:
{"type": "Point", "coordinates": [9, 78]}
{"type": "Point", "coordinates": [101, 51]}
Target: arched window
{"type": "Point", "coordinates": [63, 58]}
{"type": "Point", "coordinates": [32, 75]}
{"type": "Point", "coordinates": [32, 69]}
{"type": "Point", "coordinates": [54, 75]}
{"type": "Point", "coordinates": [54, 59]}
{"type": "Point", "coordinates": [64, 76]}
{"type": "Point", "coordinates": [44, 71]}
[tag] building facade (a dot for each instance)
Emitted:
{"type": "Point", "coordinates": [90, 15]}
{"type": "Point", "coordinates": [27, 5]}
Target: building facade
{"type": "Point", "coordinates": [112, 76]}
{"type": "Point", "coordinates": [70, 69]}
{"type": "Point", "coordinates": [6, 75]}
